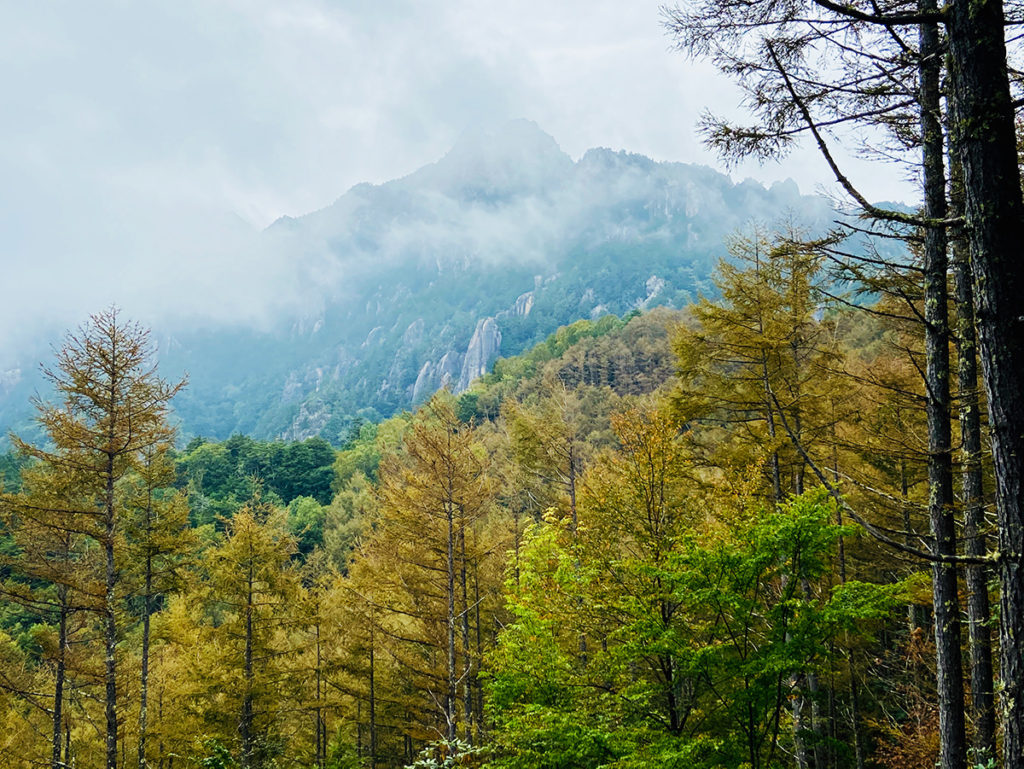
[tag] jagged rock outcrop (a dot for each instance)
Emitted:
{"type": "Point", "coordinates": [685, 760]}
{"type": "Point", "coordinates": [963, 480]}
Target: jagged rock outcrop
{"type": "Point", "coordinates": [447, 368]}
{"type": "Point", "coordinates": [654, 286]}
{"type": "Point", "coordinates": [483, 349]}
{"type": "Point", "coordinates": [433, 376]}
{"type": "Point", "coordinates": [414, 333]}
{"type": "Point", "coordinates": [523, 305]}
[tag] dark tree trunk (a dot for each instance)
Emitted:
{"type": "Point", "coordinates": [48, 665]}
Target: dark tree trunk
{"type": "Point", "coordinates": [58, 683]}
{"type": "Point", "coordinates": [321, 727]}
{"type": "Point", "coordinates": [245, 726]}
{"type": "Point", "coordinates": [373, 701]}
{"type": "Point", "coordinates": [144, 676]}
{"type": "Point", "coordinates": [949, 664]}
{"type": "Point", "coordinates": [986, 144]}
{"type": "Point", "coordinates": [109, 620]}
{"type": "Point", "coordinates": [979, 612]}
{"type": "Point", "coordinates": [480, 727]}
{"type": "Point", "coordinates": [449, 698]}
{"type": "Point", "coordinates": [467, 652]}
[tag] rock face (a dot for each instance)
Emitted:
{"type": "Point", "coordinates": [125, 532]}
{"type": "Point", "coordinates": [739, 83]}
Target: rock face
{"type": "Point", "coordinates": [654, 286]}
{"type": "Point", "coordinates": [433, 376]}
{"type": "Point", "coordinates": [483, 349]}
{"type": "Point", "coordinates": [523, 305]}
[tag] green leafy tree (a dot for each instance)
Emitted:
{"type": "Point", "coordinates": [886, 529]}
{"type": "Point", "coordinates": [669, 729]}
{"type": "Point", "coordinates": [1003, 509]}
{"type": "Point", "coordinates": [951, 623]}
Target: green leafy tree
{"type": "Point", "coordinates": [705, 627]}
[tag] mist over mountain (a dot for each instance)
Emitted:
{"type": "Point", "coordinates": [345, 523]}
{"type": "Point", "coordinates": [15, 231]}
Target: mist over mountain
{"type": "Point", "coordinates": [423, 281]}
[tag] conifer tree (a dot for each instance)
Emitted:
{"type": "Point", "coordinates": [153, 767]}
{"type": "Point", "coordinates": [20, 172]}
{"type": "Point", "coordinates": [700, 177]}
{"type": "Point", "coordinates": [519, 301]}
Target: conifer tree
{"type": "Point", "coordinates": [48, 575]}
{"type": "Point", "coordinates": [113, 407]}
{"type": "Point", "coordinates": [433, 492]}
{"type": "Point", "coordinates": [159, 540]}
{"type": "Point", "coordinates": [254, 591]}
{"type": "Point", "coordinates": [757, 364]}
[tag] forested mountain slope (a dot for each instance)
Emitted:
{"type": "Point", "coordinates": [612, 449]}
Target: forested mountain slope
{"type": "Point", "coordinates": [609, 551]}
{"type": "Point", "coordinates": [480, 255]}
{"type": "Point", "coordinates": [426, 280]}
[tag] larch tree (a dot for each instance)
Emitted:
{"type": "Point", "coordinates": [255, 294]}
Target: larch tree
{"type": "Point", "coordinates": [756, 364]}
{"type": "Point", "coordinates": [252, 596]}
{"type": "Point", "coordinates": [433, 492]}
{"type": "Point", "coordinates": [549, 441]}
{"type": "Point", "coordinates": [112, 408]}
{"type": "Point", "coordinates": [48, 577]}
{"type": "Point", "coordinates": [159, 541]}
{"type": "Point", "coordinates": [789, 102]}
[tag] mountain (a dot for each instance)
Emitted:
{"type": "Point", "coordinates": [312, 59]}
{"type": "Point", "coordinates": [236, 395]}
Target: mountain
{"type": "Point", "coordinates": [424, 281]}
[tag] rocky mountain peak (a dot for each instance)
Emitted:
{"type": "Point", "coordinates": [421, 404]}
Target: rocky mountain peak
{"type": "Point", "coordinates": [497, 162]}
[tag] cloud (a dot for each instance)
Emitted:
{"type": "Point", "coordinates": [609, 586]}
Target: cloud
{"type": "Point", "coordinates": [143, 144]}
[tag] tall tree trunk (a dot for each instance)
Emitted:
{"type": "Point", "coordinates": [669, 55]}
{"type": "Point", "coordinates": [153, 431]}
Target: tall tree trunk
{"type": "Point", "coordinates": [467, 652]}
{"type": "Point", "coordinates": [58, 683]}
{"type": "Point", "coordinates": [110, 623]}
{"type": "Point", "coordinates": [986, 144]}
{"type": "Point", "coordinates": [449, 700]}
{"type": "Point", "coordinates": [858, 742]}
{"type": "Point", "coordinates": [572, 483]}
{"type": "Point", "coordinates": [373, 699]}
{"type": "Point", "coordinates": [913, 618]}
{"type": "Point", "coordinates": [245, 727]}
{"type": "Point", "coordinates": [144, 676]}
{"type": "Point", "coordinates": [480, 727]}
{"type": "Point", "coordinates": [949, 665]}
{"type": "Point", "coordinates": [979, 613]}
{"type": "Point", "coordinates": [321, 734]}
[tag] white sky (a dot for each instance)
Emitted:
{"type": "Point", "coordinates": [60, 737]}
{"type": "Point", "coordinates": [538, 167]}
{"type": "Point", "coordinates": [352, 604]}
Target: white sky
{"type": "Point", "coordinates": [139, 141]}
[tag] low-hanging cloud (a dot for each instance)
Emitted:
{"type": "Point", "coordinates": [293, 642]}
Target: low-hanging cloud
{"type": "Point", "coordinates": [143, 147]}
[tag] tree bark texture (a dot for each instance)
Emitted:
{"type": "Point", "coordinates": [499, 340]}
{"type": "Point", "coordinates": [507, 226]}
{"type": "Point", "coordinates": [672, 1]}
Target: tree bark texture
{"type": "Point", "coordinates": [986, 143]}
{"type": "Point", "coordinates": [949, 663]}
{"type": "Point", "coordinates": [979, 612]}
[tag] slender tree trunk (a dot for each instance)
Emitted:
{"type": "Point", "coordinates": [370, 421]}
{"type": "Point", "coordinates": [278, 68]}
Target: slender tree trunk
{"type": "Point", "coordinates": [373, 700]}
{"type": "Point", "coordinates": [245, 727]}
{"type": "Point", "coordinates": [144, 677]}
{"type": "Point", "coordinates": [572, 484]}
{"type": "Point", "coordinates": [58, 683]}
{"type": "Point", "coordinates": [480, 728]}
{"type": "Point", "coordinates": [770, 419]}
{"type": "Point", "coordinates": [913, 618]}
{"type": "Point", "coordinates": [949, 665]}
{"type": "Point", "coordinates": [986, 143]}
{"type": "Point", "coordinates": [467, 652]}
{"type": "Point", "coordinates": [110, 624]}
{"type": "Point", "coordinates": [449, 700]}
{"type": "Point", "coordinates": [811, 676]}
{"type": "Point", "coordinates": [160, 720]}
{"type": "Point", "coordinates": [320, 741]}
{"type": "Point", "coordinates": [979, 612]}
{"type": "Point", "coordinates": [359, 729]}
{"type": "Point", "coordinates": [858, 742]}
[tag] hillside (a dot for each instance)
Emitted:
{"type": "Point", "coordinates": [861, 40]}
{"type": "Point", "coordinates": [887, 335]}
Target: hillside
{"type": "Point", "coordinates": [426, 280]}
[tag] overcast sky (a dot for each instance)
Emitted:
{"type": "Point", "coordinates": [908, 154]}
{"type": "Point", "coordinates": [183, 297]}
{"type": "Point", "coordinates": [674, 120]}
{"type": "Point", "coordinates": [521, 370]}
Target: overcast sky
{"type": "Point", "coordinates": [140, 141]}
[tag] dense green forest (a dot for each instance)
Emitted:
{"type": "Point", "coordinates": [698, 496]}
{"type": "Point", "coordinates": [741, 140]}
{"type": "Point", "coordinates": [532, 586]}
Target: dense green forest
{"type": "Point", "coordinates": [611, 551]}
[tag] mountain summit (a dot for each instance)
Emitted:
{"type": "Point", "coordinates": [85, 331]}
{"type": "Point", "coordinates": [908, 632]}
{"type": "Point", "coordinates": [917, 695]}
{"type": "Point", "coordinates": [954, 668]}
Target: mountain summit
{"type": "Point", "coordinates": [497, 164]}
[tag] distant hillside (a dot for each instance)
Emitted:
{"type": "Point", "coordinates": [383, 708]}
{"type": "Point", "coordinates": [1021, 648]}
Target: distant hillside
{"type": "Point", "coordinates": [427, 280]}
{"type": "Point", "coordinates": [601, 362]}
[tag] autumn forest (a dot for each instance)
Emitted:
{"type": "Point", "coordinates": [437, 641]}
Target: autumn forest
{"type": "Point", "coordinates": [779, 527]}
